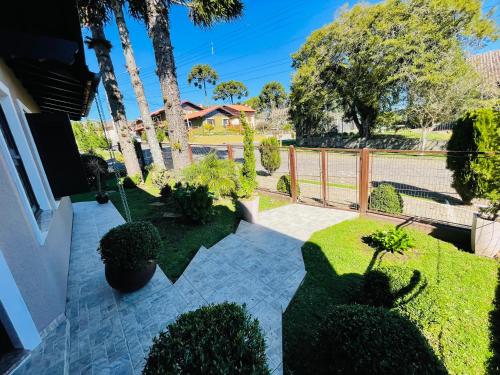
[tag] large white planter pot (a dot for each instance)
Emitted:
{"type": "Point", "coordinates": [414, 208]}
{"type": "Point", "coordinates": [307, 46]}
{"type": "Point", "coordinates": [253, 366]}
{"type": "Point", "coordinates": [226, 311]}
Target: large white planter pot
{"type": "Point", "coordinates": [485, 237]}
{"type": "Point", "coordinates": [249, 209]}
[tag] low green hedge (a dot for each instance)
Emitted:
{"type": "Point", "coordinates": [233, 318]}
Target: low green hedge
{"type": "Point", "coordinates": [215, 339]}
{"type": "Point", "coordinates": [195, 203]}
{"type": "Point", "coordinates": [130, 246]}
{"type": "Point", "coordinates": [360, 339]}
{"type": "Point", "coordinates": [385, 198]}
{"type": "Point", "coordinates": [285, 185]}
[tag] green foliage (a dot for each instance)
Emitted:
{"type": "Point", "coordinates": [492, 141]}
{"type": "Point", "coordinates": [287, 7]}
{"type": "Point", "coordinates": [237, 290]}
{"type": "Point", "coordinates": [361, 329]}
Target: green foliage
{"type": "Point", "coordinates": [230, 90]}
{"type": "Point", "coordinates": [360, 339]}
{"type": "Point", "coordinates": [207, 12]}
{"type": "Point", "coordinates": [166, 193]}
{"type": "Point", "coordinates": [273, 95]}
{"type": "Point", "coordinates": [220, 176]}
{"type": "Point", "coordinates": [89, 136]}
{"type": "Point", "coordinates": [253, 102]}
{"type": "Point", "coordinates": [248, 179]}
{"type": "Point", "coordinates": [392, 240]}
{"type": "Point", "coordinates": [284, 185]}
{"type": "Point", "coordinates": [215, 339]}
{"type": "Point", "coordinates": [476, 175]}
{"type": "Point", "coordinates": [144, 137]}
{"type": "Point", "coordinates": [365, 63]}
{"type": "Point", "coordinates": [159, 177]}
{"type": "Point", "coordinates": [95, 168]}
{"type": "Point", "coordinates": [208, 127]}
{"type": "Point", "coordinates": [130, 246]}
{"type": "Point", "coordinates": [131, 182]}
{"type": "Point", "coordinates": [160, 135]}
{"type": "Point", "coordinates": [195, 203]}
{"type": "Point", "coordinates": [270, 157]}
{"type": "Point", "coordinates": [202, 75]}
{"type": "Point", "coordinates": [385, 198]}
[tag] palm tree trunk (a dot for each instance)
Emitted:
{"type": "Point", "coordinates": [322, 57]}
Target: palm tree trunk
{"type": "Point", "coordinates": [115, 99]}
{"type": "Point", "coordinates": [158, 24]}
{"type": "Point", "coordinates": [149, 127]}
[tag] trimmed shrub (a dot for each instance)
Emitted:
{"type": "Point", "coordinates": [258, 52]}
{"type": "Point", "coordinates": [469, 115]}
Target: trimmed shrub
{"type": "Point", "coordinates": [360, 339]}
{"type": "Point", "coordinates": [215, 339]}
{"type": "Point", "coordinates": [285, 185]}
{"type": "Point", "coordinates": [166, 193]}
{"type": "Point", "coordinates": [385, 198]}
{"type": "Point", "coordinates": [195, 203]}
{"type": "Point", "coordinates": [248, 177]}
{"type": "Point", "coordinates": [392, 240]}
{"type": "Point", "coordinates": [131, 182]}
{"type": "Point", "coordinates": [93, 164]}
{"type": "Point", "coordinates": [130, 246]}
{"type": "Point", "coordinates": [270, 157]}
{"type": "Point", "coordinates": [159, 177]}
{"type": "Point", "coordinates": [220, 176]}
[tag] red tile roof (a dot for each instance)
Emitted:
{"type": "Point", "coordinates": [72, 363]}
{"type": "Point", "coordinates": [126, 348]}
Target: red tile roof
{"type": "Point", "coordinates": [206, 111]}
{"type": "Point", "coordinates": [239, 108]}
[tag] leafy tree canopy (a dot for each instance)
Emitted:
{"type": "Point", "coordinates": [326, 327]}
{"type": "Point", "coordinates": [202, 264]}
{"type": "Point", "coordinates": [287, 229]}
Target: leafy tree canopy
{"type": "Point", "coordinates": [89, 136]}
{"type": "Point", "coordinates": [201, 75]}
{"type": "Point", "coordinates": [365, 62]}
{"type": "Point", "coordinates": [273, 95]}
{"type": "Point", "coordinates": [230, 90]}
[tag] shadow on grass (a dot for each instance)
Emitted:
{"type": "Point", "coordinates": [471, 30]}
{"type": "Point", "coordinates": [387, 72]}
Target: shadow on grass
{"type": "Point", "coordinates": [181, 240]}
{"type": "Point", "coordinates": [494, 362]}
{"type": "Point", "coordinates": [322, 289]}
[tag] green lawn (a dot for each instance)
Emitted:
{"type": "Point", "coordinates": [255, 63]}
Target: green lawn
{"type": "Point", "coordinates": [463, 286]}
{"type": "Point", "coordinates": [268, 202]}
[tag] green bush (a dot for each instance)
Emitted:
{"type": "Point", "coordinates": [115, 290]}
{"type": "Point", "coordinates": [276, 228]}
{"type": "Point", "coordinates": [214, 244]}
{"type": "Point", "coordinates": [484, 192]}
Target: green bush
{"type": "Point", "coordinates": [215, 339]}
{"type": "Point", "coordinates": [270, 157]}
{"type": "Point", "coordinates": [130, 246]}
{"type": "Point", "coordinates": [166, 193]}
{"type": "Point", "coordinates": [392, 240]}
{"type": "Point", "coordinates": [248, 179]}
{"type": "Point", "coordinates": [131, 182]}
{"type": "Point", "coordinates": [360, 339]}
{"type": "Point", "coordinates": [221, 176]}
{"type": "Point", "coordinates": [195, 203]}
{"type": "Point", "coordinates": [89, 136]}
{"type": "Point", "coordinates": [285, 185]}
{"type": "Point", "coordinates": [92, 166]}
{"type": "Point", "coordinates": [385, 198]}
{"type": "Point", "coordinates": [159, 177]}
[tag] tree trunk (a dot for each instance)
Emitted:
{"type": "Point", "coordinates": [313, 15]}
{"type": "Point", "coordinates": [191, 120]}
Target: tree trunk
{"type": "Point", "coordinates": [115, 99]}
{"type": "Point", "coordinates": [149, 127]}
{"type": "Point", "coordinates": [158, 24]}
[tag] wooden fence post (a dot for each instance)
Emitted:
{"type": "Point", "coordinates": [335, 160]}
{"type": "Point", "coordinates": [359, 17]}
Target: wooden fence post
{"type": "Point", "coordinates": [324, 176]}
{"type": "Point", "coordinates": [230, 154]}
{"type": "Point", "coordinates": [293, 174]}
{"type": "Point", "coordinates": [364, 170]}
{"type": "Point", "coordinates": [190, 154]}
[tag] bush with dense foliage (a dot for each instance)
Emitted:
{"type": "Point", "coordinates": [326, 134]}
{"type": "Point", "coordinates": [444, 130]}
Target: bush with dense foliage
{"type": "Point", "coordinates": [130, 246]}
{"type": "Point", "coordinates": [131, 182]}
{"type": "Point", "coordinates": [159, 177]}
{"type": "Point", "coordinates": [361, 339]}
{"type": "Point", "coordinates": [248, 178]}
{"type": "Point", "coordinates": [92, 166]}
{"type": "Point", "coordinates": [392, 240]}
{"type": "Point", "coordinates": [215, 339]}
{"type": "Point", "coordinates": [220, 175]}
{"type": "Point", "coordinates": [476, 175]}
{"type": "Point", "coordinates": [284, 185]}
{"type": "Point", "coordinates": [385, 198]}
{"type": "Point", "coordinates": [166, 193]}
{"type": "Point", "coordinates": [195, 203]}
{"type": "Point", "coordinates": [270, 157]}
{"type": "Point", "coordinates": [89, 136]}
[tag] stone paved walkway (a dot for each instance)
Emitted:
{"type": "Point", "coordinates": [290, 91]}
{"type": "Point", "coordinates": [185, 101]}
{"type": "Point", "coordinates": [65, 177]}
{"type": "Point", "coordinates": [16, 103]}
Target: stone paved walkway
{"type": "Point", "coordinates": [110, 333]}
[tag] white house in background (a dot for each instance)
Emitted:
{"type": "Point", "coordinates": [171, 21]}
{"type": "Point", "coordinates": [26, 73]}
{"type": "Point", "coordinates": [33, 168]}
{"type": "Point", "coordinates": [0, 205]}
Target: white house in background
{"type": "Point", "coordinates": [44, 82]}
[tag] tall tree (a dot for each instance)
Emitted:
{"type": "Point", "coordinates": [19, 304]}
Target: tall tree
{"type": "Point", "coordinates": [201, 75]}
{"type": "Point", "coordinates": [273, 95]}
{"type": "Point", "coordinates": [156, 14]}
{"type": "Point", "coordinates": [154, 146]}
{"type": "Point", "coordinates": [230, 90]}
{"type": "Point", "coordinates": [93, 14]}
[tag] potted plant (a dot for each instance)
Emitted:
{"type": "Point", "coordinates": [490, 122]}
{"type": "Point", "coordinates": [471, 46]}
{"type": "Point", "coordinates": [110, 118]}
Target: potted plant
{"type": "Point", "coordinates": [248, 201]}
{"type": "Point", "coordinates": [129, 254]}
{"type": "Point", "coordinates": [95, 168]}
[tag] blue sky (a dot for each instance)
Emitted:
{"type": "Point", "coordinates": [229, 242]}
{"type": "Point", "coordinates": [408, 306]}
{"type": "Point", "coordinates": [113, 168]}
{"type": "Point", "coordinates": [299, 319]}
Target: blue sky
{"type": "Point", "coordinates": [254, 49]}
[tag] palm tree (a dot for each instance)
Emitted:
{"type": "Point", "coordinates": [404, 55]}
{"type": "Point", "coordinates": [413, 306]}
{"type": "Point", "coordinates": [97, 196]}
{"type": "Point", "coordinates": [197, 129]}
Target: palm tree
{"type": "Point", "coordinates": [93, 15]}
{"type": "Point", "coordinates": [230, 90]}
{"type": "Point", "coordinates": [156, 15]}
{"type": "Point", "coordinates": [154, 146]}
{"type": "Point", "coordinates": [201, 75]}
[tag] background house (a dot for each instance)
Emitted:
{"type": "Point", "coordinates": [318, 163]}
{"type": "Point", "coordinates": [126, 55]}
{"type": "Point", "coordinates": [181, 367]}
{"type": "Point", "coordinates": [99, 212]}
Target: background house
{"type": "Point", "coordinates": [44, 82]}
{"type": "Point", "coordinates": [220, 116]}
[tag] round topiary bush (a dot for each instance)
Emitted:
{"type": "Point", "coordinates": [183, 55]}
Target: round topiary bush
{"type": "Point", "coordinates": [385, 198]}
{"type": "Point", "coordinates": [270, 157]}
{"type": "Point", "coordinates": [216, 339]}
{"type": "Point", "coordinates": [360, 339]}
{"type": "Point", "coordinates": [285, 185]}
{"type": "Point", "coordinates": [131, 246]}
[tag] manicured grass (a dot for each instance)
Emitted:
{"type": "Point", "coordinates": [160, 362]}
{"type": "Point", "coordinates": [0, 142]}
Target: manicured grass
{"type": "Point", "coordinates": [268, 202]}
{"type": "Point", "coordinates": [221, 139]}
{"type": "Point", "coordinates": [180, 241]}
{"type": "Point", "coordinates": [462, 284]}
